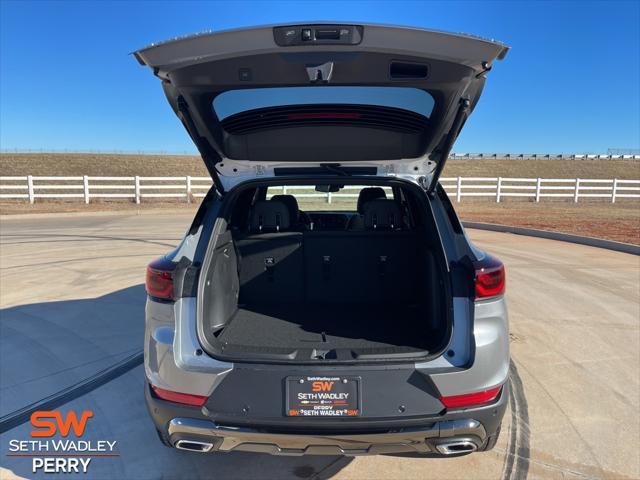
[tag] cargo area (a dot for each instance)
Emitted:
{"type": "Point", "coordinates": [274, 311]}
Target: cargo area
{"type": "Point", "coordinates": [283, 290]}
{"type": "Point", "coordinates": [357, 329]}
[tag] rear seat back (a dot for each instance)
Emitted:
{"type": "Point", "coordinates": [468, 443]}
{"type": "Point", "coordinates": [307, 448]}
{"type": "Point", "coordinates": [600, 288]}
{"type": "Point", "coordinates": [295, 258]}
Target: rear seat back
{"type": "Point", "coordinates": [377, 266]}
{"type": "Point", "coordinates": [360, 267]}
{"type": "Point", "coordinates": [271, 261]}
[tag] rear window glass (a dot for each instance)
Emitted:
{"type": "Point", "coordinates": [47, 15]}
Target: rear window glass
{"type": "Point", "coordinates": [407, 98]}
{"type": "Point", "coordinates": [309, 200]}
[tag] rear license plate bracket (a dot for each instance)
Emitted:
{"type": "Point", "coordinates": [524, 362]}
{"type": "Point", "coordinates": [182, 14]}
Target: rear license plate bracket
{"type": "Point", "coordinates": [323, 396]}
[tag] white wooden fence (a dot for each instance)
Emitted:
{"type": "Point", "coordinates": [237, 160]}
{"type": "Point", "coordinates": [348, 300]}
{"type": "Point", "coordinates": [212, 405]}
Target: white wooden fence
{"type": "Point", "coordinates": [537, 188]}
{"type": "Point", "coordinates": [86, 187]}
{"type": "Point", "coordinates": [187, 188]}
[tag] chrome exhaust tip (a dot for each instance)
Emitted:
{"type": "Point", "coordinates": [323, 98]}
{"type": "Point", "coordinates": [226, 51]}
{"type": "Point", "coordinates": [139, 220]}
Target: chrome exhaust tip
{"type": "Point", "coordinates": [456, 448]}
{"type": "Point", "coordinates": [194, 446]}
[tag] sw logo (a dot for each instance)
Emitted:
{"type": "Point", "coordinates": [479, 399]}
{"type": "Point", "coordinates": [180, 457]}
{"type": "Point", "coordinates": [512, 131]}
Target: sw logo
{"type": "Point", "coordinates": [51, 422]}
{"type": "Point", "coordinates": [60, 455]}
{"type": "Point", "coordinates": [322, 386]}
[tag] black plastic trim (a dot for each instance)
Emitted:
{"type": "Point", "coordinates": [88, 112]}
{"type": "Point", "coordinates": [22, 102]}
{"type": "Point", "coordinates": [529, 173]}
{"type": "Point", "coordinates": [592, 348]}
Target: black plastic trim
{"type": "Point", "coordinates": [287, 171]}
{"type": "Point", "coordinates": [162, 412]}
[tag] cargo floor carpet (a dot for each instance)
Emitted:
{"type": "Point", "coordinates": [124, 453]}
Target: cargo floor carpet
{"type": "Point", "coordinates": [327, 327]}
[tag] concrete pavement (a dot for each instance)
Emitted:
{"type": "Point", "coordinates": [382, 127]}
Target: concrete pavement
{"type": "Point", "coordinates": [72, 303]}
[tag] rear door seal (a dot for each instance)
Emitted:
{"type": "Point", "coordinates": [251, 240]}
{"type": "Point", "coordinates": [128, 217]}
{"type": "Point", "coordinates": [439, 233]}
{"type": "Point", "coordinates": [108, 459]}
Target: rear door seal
{"type": "Point", "coordinates": [458, 121]}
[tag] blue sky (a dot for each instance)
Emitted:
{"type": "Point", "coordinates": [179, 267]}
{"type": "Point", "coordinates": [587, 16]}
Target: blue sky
{"type": "Point", "coordinates": [571, 82]}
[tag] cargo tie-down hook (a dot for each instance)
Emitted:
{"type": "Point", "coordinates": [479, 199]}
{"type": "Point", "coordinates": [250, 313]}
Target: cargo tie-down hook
{"type": "Point", "coordinates": [320, 73]}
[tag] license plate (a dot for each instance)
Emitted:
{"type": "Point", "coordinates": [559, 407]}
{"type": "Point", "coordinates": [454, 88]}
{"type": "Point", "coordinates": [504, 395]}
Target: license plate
{"type": "Point", "coordinates": [323, 396]}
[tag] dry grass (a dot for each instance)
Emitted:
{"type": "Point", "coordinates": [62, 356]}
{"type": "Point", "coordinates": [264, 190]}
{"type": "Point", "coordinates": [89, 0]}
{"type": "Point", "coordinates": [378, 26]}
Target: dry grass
{"type": "Point", "coordinates": [73, 164]}
{"type": "Point", "coordinates": [619, 222]}
{"type": "Point", "coordinates": [174, 165]}
{"type": "Point", "coordinates": [624, 169]}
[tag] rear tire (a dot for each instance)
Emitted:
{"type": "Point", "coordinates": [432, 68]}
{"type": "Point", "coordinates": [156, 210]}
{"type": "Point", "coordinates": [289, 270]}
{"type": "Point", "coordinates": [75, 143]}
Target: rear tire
{"type": "Point", "coordinates": [491, 441]}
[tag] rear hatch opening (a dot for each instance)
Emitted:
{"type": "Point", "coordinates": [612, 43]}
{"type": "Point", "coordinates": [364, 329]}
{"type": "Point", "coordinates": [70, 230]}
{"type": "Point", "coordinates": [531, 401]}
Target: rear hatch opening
{"type": "Point", "coordinates": [291, 279]}
{"type": "Point", "coordinates": [391, 98]}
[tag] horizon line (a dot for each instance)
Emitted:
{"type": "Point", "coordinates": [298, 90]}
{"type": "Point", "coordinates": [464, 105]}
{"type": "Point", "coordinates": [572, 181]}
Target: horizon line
{"type": "Point", "coordinates": [611, 152]}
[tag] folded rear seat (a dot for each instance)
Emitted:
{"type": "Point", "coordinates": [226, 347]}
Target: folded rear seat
{"type": "Point", "coordinates": [374, 266]}
{"type": "Point", "coordinates": [271, 262]}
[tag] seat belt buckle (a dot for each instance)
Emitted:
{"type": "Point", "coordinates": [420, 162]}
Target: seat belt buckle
{"type": "Point", "coordinates": [269, 266]}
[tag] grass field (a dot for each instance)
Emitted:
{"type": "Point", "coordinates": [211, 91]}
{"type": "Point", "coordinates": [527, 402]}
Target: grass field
{"type": "Point", "coordinates": [620, 221]}
{"type": "Point", "coordinates": [67, 164]}
{"type": "Point", "coordinates": [170, 165]}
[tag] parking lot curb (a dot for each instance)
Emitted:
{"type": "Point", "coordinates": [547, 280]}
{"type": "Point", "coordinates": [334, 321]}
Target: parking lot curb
{"type": "Point", "coordinates": [563, 237]}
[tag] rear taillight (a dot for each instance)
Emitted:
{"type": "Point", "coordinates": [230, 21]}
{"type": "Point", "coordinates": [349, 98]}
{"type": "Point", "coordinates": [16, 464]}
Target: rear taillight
{"type": "Point", "coordinates": [471, 399]}
{"type": "Point", "coordinates": [159, 281]}
{"type": "Point", "coordinates": [177, 397]}
{"type": "Point", "coordinates": [490, 278]}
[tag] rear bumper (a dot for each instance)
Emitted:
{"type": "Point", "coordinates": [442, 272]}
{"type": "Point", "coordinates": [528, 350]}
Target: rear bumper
{"type": "Point", "coordinates": [205, 435]}
{"type": "Point", "coordinates": [452, 433]}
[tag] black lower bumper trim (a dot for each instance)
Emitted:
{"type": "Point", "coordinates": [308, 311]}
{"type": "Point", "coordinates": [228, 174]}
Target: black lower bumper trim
{"type": "Point", "coordinates": [364, 437]}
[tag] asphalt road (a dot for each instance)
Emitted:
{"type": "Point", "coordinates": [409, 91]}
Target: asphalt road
{"type": "Point", "coordinates": [72, 304]}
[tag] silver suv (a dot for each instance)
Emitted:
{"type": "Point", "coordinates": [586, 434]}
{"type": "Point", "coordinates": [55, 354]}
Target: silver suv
{"type": "Point", "coordinates": [325, 299]}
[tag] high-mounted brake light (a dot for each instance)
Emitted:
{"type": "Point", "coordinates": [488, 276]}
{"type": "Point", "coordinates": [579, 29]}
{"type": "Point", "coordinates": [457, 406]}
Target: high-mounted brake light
{"type": "Point", "coordinates": [159, 282]}
{"type": "Point", "coordinates": [490, 278]}
{"type": "Point", "coordinates": [323, 115]}
{"type": "Point", "coordinates": [471, 399]}
{"type": "Point", "coordinates": [177, 397]}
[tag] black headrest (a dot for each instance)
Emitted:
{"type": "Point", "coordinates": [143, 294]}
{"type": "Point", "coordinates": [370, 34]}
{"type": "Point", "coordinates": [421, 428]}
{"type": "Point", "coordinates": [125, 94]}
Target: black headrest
{"type": "Point", "coordinates": [368, 194]}
{"type": "Point", "coordinates": [269, 216]}
{"type": "Point", "coordinates": [291, 203]}
{"type": "Point", "coordinates": [382, 214]}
